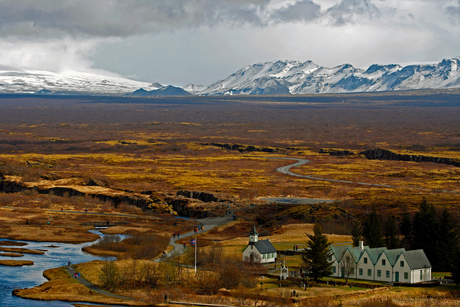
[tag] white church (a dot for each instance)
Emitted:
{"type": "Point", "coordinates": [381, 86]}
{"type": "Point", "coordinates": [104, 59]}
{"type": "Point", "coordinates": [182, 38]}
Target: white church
{"type": "Point", "coordinates": [259, 251]}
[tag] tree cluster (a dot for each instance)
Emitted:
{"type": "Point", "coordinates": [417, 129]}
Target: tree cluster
{"type": "Point", "coordinates": [434, 232]}
{"type": "Point", "coordinates": [133, 275]}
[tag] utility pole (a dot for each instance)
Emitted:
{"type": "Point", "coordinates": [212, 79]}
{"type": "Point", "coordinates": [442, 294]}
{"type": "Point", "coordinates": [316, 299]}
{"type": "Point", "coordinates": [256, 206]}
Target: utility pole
{"type": "Point", "coordinates": [195, 252]}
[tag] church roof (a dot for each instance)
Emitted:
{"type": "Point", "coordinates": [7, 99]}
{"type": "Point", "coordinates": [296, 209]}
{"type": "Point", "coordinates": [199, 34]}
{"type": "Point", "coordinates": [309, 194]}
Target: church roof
{"type": "Point", "coordinates": [253, 230]}
{"type": "Point", "coordinates": [265, 247]}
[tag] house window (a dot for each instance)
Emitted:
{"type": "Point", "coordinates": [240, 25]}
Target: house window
{"type": "Point", "coordinates": [401, 264]}
{"type": "Point", "coordinates": [369, 272]}
{"type": "Point", "coordinates": [333, 269]}
{"type": "Point", "coordinates": [406, 275]}
{"type": "Point", "coordinates": [365, 260]}
{"type": "Point", "coordinates": [379, 273]}
{"type": "Point", "coordinates": [383, 261]}
{"type": "Point", "coordinates": [388, 274]}
{"type": "Point", "coordinates": [329, 258]}
{"type": "Point", "coordinates": [421, 274]}
{"type": "Point", "coordinates": [360, 271]}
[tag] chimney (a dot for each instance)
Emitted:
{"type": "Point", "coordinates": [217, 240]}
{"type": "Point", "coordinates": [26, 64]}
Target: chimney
{"type": "Point", "coordinates": [361, 245]}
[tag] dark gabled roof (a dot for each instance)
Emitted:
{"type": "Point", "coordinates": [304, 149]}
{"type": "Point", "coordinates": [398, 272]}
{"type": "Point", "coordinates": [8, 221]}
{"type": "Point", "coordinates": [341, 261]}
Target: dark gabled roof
{"type": "Point", "coordinates": [393, 254]}
{"type": "Point", "coordinates": [253, 230]}
{"type": "Point", "coordinates": [417, 259]}
{"type": "Point", "coordinates": [265, 247]}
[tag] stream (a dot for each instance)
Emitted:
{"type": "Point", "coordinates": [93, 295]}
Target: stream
{"type": "Point", "coordinates": [30, 276]}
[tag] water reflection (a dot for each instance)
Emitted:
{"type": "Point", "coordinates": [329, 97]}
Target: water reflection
{"type": "Point", "coordinates": [30, 276]}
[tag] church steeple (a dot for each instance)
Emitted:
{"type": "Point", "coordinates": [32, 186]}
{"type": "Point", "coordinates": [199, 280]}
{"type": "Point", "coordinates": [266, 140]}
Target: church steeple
{"type": "Point", "coordinates": [253, 235]}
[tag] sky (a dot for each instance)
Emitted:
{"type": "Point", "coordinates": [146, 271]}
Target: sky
{"type": "Point", "coordinates": [201, 41]}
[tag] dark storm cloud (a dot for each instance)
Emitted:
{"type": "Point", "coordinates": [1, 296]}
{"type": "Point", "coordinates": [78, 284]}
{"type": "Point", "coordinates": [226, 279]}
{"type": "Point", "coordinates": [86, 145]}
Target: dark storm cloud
{"type": "Point", "coordinates": [304, 10]}
{"type": "Point", "coordinates": [349, 11]}
{"type": "Point", "coordinates": [117, 18]}
{"type": "Point", "coordinates": [123, 18]}
{"type": "Point", "coordinates": [453, 11]}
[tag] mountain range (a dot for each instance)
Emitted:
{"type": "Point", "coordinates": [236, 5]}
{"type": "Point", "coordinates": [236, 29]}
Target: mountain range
{"type": "Point", "coordinates": [269, 78]}
{"type": "Point", "coordinates": [293, 77]}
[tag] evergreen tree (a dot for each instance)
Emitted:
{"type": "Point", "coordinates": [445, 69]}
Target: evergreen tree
{"type": "Point", "coordinates": [391, 233]}
{"type": "Point", "coordinates": [456, 268]}
{"type": "Point", "coordinates": [357, 232]}
{"type": "Point", "coordinates": [318, 254]}
{"type": "Point", "coordinates": [405, 229]}
{"type": "Point", "coordinates": [425, 232]}
{"type": "Point", "coordinates": [447, 247]}
{"type": "Point", "coordinates": [372, 230]}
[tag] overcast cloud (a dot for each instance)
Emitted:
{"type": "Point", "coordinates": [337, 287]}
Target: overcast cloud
{"type": "Point", "coordinates": [200, 41]}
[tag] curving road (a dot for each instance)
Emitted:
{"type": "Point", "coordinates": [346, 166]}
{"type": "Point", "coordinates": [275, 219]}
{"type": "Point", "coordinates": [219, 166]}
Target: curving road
{"type": "Point", "coordinates": [286, 170]}
{"type": "Point", "coordinates": [206, 223]}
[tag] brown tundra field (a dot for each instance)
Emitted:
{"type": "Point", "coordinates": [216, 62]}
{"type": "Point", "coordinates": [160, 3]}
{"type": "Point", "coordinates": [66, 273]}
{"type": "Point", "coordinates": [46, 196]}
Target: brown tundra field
{"type": "Point", "coordinates": [143, 161]}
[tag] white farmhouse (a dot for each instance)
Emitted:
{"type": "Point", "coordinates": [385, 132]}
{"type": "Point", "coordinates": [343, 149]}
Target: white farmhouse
{"type": "Point", "coordinates": [380, 264]}
{"type": "Point", "coordinates": [259, 251]}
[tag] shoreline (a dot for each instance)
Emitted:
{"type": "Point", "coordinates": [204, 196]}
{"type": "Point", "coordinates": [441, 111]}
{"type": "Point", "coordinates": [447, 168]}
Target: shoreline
{"type": "Point", "coordinates": [60, 286]}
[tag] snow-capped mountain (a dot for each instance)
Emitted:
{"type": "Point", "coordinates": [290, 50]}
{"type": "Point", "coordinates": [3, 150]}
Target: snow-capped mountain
{"type": "Point", "coordinates": [269, 78]}
{"type": "Point", "coordinates": [32, 81]}
{"type": "Point", "coordinates": [284, 77]}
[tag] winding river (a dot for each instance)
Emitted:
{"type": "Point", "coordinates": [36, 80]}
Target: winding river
{"type": "Point", "coordinates": [30, 276]}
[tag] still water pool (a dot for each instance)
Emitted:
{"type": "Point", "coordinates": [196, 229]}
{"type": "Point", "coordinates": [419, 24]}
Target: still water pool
{"type": "Point", "coordinates": [30, 276]}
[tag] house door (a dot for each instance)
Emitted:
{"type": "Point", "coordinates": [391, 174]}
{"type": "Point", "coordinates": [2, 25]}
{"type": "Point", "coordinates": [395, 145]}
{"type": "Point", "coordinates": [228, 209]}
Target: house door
{"type": "Point", "coordinates": [396, 276]}
{"type": "Point", "coordinates": [343, 271]}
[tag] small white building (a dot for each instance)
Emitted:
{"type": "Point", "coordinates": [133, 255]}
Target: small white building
{"type": "Point", "coordinates": [380, 264]}
{"type": "Point", "coordinates": [259, 251]}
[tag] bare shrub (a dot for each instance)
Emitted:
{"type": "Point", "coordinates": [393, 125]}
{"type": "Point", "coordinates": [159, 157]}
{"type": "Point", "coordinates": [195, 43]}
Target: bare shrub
{"type": "Point", "coordinates": [108, 277]}
{"type": "Point", "coordinates": [138, 246]}
{"type": "Point", "coordinates": [379, 302]}
{"type": "Point", "coordinates": [320, 301]}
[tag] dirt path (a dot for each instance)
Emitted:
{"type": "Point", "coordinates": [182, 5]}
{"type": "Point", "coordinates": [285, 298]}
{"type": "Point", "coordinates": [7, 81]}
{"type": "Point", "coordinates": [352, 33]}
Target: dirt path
{"type": "Point", "coordinates": [206, 223]}
{"type": "Point", "coordinates": [94, 288]}
{"type": "Point", "coordinates": [286, 170]}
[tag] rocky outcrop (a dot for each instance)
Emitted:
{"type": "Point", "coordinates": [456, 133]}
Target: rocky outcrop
{"type": "Point", "coordinates": [185, 203]}
{"type": "Point", "coordinates": [203, 196]}
{"type": "Point", "coordinates": [198, 204]}
{"type": "Point", "coordinates": [11, 184]}
{"type": "Point", "coordinates": [242, 148]}
{"type": "Point", "coordinates": [383, 154]}
{"type": "Point", "coordinates": [336, 152]}
{"type": "Point", "coordinates": [187, 207]}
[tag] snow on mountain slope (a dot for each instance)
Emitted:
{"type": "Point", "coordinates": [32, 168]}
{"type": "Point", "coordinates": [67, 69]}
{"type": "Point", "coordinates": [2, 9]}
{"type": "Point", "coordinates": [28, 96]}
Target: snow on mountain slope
{"type": "Point", "coordinates": [31, 81]}
{"type": "Point", "coordinates": [194, 88]}
{"type": "Point", "coordinates": [309, 78]}
{"type": "Point", "coordinates": [269, 78]}
{"type": "Point", "coordinates": [275, 70]}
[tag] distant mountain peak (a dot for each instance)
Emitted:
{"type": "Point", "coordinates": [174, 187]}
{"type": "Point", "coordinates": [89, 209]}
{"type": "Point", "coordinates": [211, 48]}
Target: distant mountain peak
{"type": "Point", "coordinates": [168, 90]}
{"type": "Point", "coordinates": [308, 78]}
{"type": "Point", "coordinates": [156, 85]}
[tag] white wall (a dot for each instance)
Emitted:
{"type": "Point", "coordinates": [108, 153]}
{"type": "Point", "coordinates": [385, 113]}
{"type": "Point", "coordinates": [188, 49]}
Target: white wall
{"type": "Point", "coordinates": [365, 267]}
{"type": "Point", "coordinates": [383, 269]}
{"type": "Point", "coordinates": [405, 269]}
